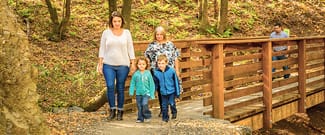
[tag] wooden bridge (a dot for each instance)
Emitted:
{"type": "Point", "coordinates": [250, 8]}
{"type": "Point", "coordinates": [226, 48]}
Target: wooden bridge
{"type": "Point", "coordinates": [235, 77]}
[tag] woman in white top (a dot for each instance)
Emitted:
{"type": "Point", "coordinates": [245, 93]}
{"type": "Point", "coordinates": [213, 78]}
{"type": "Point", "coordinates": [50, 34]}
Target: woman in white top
{"type": "Point", "coordinates": [116, 60]}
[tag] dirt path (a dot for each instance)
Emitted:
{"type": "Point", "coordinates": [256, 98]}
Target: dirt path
{"type": "Point", "coordinates": [189, 121]}
{"type": "Point", "coordinates": [155, 126]}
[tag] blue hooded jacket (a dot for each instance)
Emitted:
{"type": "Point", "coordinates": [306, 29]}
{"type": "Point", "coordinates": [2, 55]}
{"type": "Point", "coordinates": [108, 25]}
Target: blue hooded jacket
{"type": "Point", "coordinates": [167, 81]}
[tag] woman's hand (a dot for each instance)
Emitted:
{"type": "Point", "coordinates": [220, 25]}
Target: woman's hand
{"type": "Point", "coordinates": [100, 68]}
{"type": "Point", "coordinates": [132, 68]}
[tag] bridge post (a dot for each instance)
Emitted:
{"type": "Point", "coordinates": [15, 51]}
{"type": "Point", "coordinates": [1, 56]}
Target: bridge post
{"type": "Point", "coordinates": [302, 75]}
{"type": "Point", "coordinates": [217, 81]}
{"type": "Point", "coordinates": [267, 84]}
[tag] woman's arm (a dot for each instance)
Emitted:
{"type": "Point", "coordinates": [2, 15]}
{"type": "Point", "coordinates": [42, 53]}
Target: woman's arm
{"type": "Point", "coordinates": [100, 66]}
{"type": "Point", "coordinates": [101, 52]}
{"type": "Point", "coordinates": [177, 67]}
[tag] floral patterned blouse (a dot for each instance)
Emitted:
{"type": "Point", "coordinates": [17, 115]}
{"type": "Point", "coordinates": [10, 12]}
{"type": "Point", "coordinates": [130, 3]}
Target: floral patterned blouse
{"type": "Point", "coordinates": [155, 49]}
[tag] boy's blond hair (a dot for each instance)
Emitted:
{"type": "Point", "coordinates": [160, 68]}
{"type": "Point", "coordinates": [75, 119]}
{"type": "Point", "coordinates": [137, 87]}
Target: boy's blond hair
{"type": "Point", "coordinates": [162, 58]}
{"type": "Point", "coordinates": [144, 59]}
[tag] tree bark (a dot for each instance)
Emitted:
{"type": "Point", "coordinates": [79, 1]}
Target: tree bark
{"type": "Point", "coordinates": [126, 12]}
{"type": "Point", "coordinates": [112, 6]}
{"type": "Point", "coordinates": [223, 16]}
{"type": "Point", "coordinates": [65, 18]}
{"type": "Point", "coordinates": [19, 111]}
{"type": "Point", "coordinates": [204, 20]}
{"type": "Point", "coordinates": [97, 103]}
{"type": "Point", "coordinates": [216, 9]}
{"type": "Point", "coordinates": [200, 4]}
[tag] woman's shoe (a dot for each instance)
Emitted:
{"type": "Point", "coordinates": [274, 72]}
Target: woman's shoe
{"type": "Point", "coordinates": [119, 115]}
{"type": "Point", "coordinates": [112, 114]}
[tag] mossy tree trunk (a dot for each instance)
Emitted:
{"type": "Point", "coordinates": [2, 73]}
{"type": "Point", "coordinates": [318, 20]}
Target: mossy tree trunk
{"type": "Point", "coordinates": [19, 111]}
{"type": "Point", "coordinates": [59, 28]}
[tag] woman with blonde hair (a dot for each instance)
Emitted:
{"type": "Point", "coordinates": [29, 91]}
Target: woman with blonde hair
{"type": "Point", "coordinates": [161, 46]}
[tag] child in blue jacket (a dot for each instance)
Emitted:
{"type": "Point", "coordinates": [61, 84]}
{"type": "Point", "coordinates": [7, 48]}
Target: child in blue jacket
{"type": "Point", "coordinates": [142, 81]}
{"type": "Point", "coordinates": [168, 84]}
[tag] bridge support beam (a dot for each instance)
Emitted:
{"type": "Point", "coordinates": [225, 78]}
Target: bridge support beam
{"type": "Point", "coordinates": [302, 75]}
{"type": "Point", "coordinates": [267, 87]}
{"type": "Point", "coordinates": [217, 82]}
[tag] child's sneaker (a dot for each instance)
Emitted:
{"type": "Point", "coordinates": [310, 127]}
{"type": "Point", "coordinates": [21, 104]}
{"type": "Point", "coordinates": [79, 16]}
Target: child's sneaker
{"type": "Point", "coordinates": [139, 121]}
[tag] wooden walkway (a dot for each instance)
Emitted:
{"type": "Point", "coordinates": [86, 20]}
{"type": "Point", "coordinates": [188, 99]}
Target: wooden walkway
{"type": "Point", "coordinates": [243, 112]}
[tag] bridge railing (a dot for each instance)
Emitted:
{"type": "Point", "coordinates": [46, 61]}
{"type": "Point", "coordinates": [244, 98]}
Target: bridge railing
{"type": "Point", "coordinates": [243, 83]}
{"type": "Point", "coordinates": [236, 73]}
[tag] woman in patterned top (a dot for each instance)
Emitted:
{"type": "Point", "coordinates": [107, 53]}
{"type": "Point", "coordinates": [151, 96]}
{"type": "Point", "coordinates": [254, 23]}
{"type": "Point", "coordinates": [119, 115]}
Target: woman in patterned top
{"type": "Point", "coordinates": [161, 46]}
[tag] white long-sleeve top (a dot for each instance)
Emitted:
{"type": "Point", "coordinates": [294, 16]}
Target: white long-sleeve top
{"type": "Point", "coordinates": [116, 50]}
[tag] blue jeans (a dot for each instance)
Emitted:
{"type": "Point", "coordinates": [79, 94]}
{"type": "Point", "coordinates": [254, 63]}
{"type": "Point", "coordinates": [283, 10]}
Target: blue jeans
{"type": "Point", "coordinates": [118, 74]}
{"type": "Point", "coordinates": [143, 109]}
{"type": "Point", "coordinates": [281, 57]}
{"type": "Point", "coordinates": [168, 100]}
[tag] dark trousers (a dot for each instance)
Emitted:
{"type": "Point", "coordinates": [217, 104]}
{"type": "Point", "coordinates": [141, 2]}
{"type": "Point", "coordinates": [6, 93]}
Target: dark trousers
{"type": "Point", "coordinates": [168, 100]}
{"type": "Point", "coordinates": [157, 89]}
{"type": "Point", "coordinates": [281, 57]}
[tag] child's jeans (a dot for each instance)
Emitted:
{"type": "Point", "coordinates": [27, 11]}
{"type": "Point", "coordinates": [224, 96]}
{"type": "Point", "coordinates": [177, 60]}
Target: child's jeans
{"type": "Point", "coordinates": [143, 109]}
{"type": "Point", "coordinates": [168, 100]}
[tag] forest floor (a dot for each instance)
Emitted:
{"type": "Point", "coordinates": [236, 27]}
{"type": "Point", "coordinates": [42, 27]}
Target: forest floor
{"type": "Point", "coordinates": [189, 113]}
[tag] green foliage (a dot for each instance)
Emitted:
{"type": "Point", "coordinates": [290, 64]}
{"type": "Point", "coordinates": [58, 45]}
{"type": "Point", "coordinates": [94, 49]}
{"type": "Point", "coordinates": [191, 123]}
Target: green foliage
{"type": "Point", "coordinates": [286, 31]}
{"type": "Point", "coordinates": [11, 2]}
{"type": "Point", "coordinates": [176, 22]}
{"type": "Point", "coordinates": [182, 35]}
{"type": "Point", "coordinates": [72, 33]}
{"type": "Point", "coordinates": [226, 34]}
{"type": "Point", "coordinates": [246, 16]}
{"type": "Point", "coordinates": [152, 22]}
{"type": "Point", "coordinates": [59, 104]}
{"type": "Point", "coordinates": [26, 12]}
{"type": "Point", "coordinates": [211, 30]}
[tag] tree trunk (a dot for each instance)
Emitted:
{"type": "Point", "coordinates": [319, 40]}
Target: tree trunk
{"type": "Point", "coordinates": [59, 28]}
{"type": "Point", "coordinates": [112, 6]}
{"type": "Point", "coordinates": [223, 16]}
{"type": "Point", "coordinates": [126, 12]}
{"type": "Point", "coordinates": [216, 9]}
{"type": "Point", "coordinates": [19, 111]}
{"type": "Point", "coordinates": [55, 21]}
{"type": "Point", "coordinates": [65, 18]}
{"type": "Point", "coordinates": [97, 103]}
{"type": "Point", "coordinates": [200, 4]}
{"type": "Point", "coordinates": [204, 21]}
